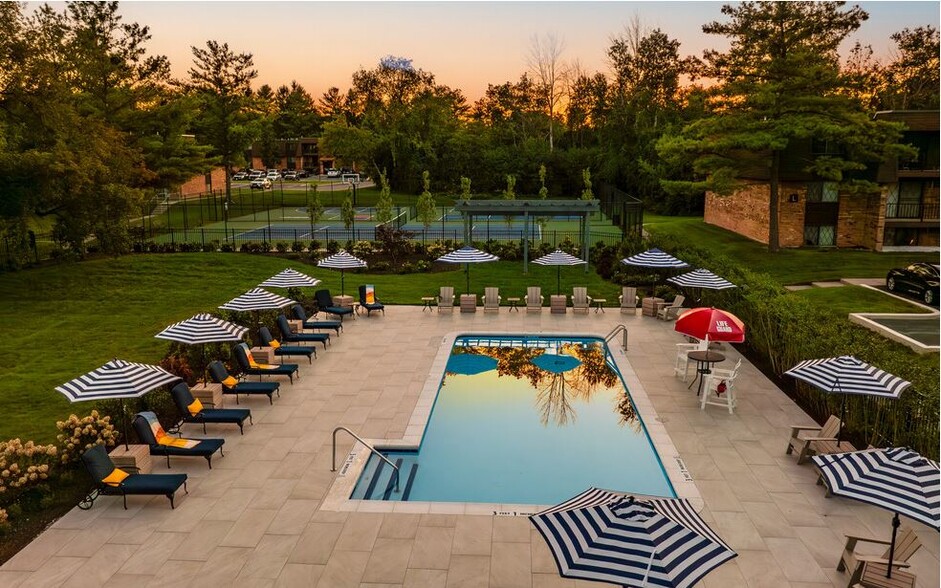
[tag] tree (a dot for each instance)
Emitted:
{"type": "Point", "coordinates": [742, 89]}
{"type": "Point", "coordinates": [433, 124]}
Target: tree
{"type": "Point", "coordinates": [509, 194]}
{"type": "Point", "coordinates": [778, 84]}
{"type": "Point", "coordinates": [913, 76]}
{"type": "Point", "coordinates": [425, 207]}
{"type": "Point", "coordinates": [543, 191]}
{"type": "Point", "coordinates": [384, 203]}
{"type": "Point", "coordinates": [314, 207]}
{"type": "Point", "coordinates": [466, 188]}
{"type": "Point", "coordinates": [545, 63]}
{"type": "Point", "coordinates": [220, 79]}
{"type": "Point", "coordinates": [587, 194]}
{"type": "Point", "coordinates": [347, 212]}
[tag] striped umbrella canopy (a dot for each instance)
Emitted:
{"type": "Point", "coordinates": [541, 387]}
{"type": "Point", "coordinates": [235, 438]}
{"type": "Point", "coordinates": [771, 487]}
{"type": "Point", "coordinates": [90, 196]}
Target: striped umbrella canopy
{"type": "Point", "coordinates": [848, 375]}
{"type": "Point", "coordinates": [203, 328]}
{"type": "Point", "coordinates": [896, 479]}
{"type": "Point", "coordinates": [656, 259]}
{"type": "Point", "coordinates": [559, 258]}
{"type": "Point", "coordinates": [342, 261]}
{"type": "Point", "coordinates": [701, 278]}
{"type": "Point", "coordinates": [117, 380]}
{"type": "Point", "coordinates": [467, 255]}
{"type": "Point", "coordinates": [256, 299]}
{"type": "Point", "coordinates": [608, 537]}
{"type": "Point", "coordinates": [289, 278]}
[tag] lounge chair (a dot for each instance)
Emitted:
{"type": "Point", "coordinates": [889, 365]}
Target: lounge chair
{"type": "Point", "coordinates": [446, 299]}
{"type": "Point", "coordinates": [906, 544]}
{"type": "Point", "coordinates": [581, 301]}
{"type": "Point", "coordinates": [368, 300]}
{"type": "Point", "coordinates": [289, 337]}
{"type": "Point", "coordinates": [268, 340]}
{"type": "Point", "coordinates": [628, 300]}
{"type": "Point", "coordinates": [231, 385]}
{"type": "Point", "coordinates": [719, 388]}
{"type": "Point", "coordinates": [191, 412]}
{"type": "Point", "coordinates": [111, 481]}
{"type": "Point", "coordinates": [298, 311]}
{"type": "Point", "coordinates": [669, 312]}
{"type": "Point", "coordinates": [534, 299]}
{"type": "Point", "coordinates": [817, 440]}
{"type": "Point", "coordinates": [492, 299]}
{"type": "Point", "coordinates": [325, 303]}
{"type": "Point", "coordinates": [250, 367]}
{"type": "Point", "coordinates": [683, 362]}
{"type": "Point", "coordinates": [151, 433]}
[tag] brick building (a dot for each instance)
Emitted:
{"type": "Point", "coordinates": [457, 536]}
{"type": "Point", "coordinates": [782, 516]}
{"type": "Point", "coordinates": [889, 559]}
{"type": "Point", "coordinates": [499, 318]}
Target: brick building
{"type": "Point", "coordinates": [303, 153]}
{"type": "Point", "coordinates": [214, 180]}
{"type": "Point", "coordinates": [815, 213]}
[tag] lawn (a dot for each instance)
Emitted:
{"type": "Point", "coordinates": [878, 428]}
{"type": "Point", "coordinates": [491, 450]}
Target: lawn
{"type": "Point", "coordinates": [61, 321]}
{"type": "Point", "coordinates": [844, 300]}
{"type": "Point", "coordinates": [789, 266]}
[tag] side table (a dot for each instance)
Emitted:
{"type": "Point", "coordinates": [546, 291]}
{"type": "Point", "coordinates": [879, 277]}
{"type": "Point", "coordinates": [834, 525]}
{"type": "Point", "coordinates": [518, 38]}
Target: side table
{"type": "Point", "coordinates": [262, 355]}
{"type": "Point", "coordinates": [295, 325]}
{"type": "Point", "coordinates": [650, 305]}
{"type": "Point", "coordinates": [427, 302]}
{"type": "Point", "coordinates": [599, 304]}
{"type": "Point", "coordinates": [468, 303]}
{"type": "Point", "coordinates": [209, 394]}
{"type": "Point", "coordinates": [135, 457]}
{"type": "Point", "coordinates": [343, 301]}
{"type": "Point", "coordinates": [873, 576]}
{"type": "Point", "coordinates": [557, 304]}
{"type": "Point", "coordinates": [514, 304]}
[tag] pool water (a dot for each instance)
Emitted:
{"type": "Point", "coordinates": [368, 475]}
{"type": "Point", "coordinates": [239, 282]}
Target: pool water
{"type": "Point", "coordinates": [524, 420]}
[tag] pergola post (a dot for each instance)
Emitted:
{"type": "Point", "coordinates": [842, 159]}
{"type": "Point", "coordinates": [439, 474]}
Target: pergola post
{"type": "Point", "coordinates": [526, 242]}
{"type": "Point", "coordinates": [468, 228]}
{"type": "Point", "coordinates": [585, 239]}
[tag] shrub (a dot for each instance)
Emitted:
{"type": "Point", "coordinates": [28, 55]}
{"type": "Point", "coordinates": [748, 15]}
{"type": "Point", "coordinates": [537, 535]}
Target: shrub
{"type": "Point", "coordinates": [23, 467]}
{"type": "Point", "coordinates": [332, 247]}
{"type": "Point", "coordinates": [422, 265]}
{"type": "Point", "coordinates": [226, 248]}
{"type": "Point", "coordinates": [78, 434]}
{"type": "Point", "coordinates": [363, 249]}
{"type": "Point", "coordinates": [314, 245]}
{"type": "Point", "coordinates": [281, 247]}
{"type": "Point", "coordinates": [407, 268]}
{"type": "Point", "coordinates": [297, 247]}
{"type": "Point", "coordinates": [380, 266]}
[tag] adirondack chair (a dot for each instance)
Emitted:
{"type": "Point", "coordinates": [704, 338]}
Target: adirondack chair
{"type": "Point", "coordinates": [580, 299]}
{"type": "Point", "coordinates": [906, 544]}
{"type": "Point", "coordinates": [669, 312]}
{"type": "Point", "coordinates": [628, 300]}
{"type": "Point", "coordinates": [534, 299]}
{"type": "Point", "coordinates": [817, 440]}
{"type": "Point", "coordinates": [446, 299]}
{"type": "Point", "coordinates": [492, 299]}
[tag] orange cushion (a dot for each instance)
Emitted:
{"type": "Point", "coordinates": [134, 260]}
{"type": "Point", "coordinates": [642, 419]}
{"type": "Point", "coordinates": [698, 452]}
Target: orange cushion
{"type": "Point", "coordinates": [195, 407]}
{"type": "Point", "coordinates": [116, 477]}
{"type": "Point", "coordinates": [274, 344]}
{"type": "Point", "coordinates": [230, 381]}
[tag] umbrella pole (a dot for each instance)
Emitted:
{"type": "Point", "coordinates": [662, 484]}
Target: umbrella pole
{"type": "Point", "coordinates": [558, 280]}
{"type": "Point", "coordinates": [342, 291]}
{"type": "Point", "coordinates": [467, 278]}
{"type": "Point", "coordinates": [127, 448]}
{"type": "Point", "coordinates": [895, 530]}
{"type": "Point", "coordinates": [839, 431]}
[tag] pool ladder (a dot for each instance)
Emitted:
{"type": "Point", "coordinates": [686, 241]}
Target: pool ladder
{"type": "Point", "coordinates": [395, 468]}
{"type": "Point", "coordinates": [618, 330]}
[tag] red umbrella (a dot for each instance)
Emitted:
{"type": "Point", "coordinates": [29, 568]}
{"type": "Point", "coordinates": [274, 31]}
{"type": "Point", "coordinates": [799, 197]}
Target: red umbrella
{"type": "Point", "coordinates": [711, 324]}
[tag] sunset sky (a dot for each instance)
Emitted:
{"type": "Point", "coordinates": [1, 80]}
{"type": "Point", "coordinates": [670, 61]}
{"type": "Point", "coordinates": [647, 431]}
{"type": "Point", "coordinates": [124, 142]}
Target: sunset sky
{"type": "Point", "coordinates": [465, 44]}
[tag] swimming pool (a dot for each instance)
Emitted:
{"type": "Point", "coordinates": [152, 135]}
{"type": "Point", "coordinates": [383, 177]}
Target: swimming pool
{"type": "Point", "coordinates": [524, 420]}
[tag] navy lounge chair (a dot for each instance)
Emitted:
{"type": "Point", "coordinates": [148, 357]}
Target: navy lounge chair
{"type": "Point", "coordinates": [370, 306]}
{"type": "Point", "coordinates": [231, 385]}
{"type": "Point", "coordinates": [204, 448]}
{"type": "Point", "coordinates": [183, 399]}
{"type": "Point", "coordinates": [101, 468]}
{"type": "Point", "coordinates": [247, 365]}
{"type": "Point", "coordinates": [325, 303]}
{"type": "Point", "coordinates": [288, 336]}
{"type": "Point", "coordinates": [298, 311]}
{"type": "Point", "coordinates": [268, 340]}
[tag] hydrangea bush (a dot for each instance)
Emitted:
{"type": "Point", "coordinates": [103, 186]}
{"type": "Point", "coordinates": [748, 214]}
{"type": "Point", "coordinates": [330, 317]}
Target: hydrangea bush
{"type": "Point", "coordinates": [81, 433]}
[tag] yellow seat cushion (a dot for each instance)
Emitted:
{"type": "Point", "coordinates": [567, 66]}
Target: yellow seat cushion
{"type": "Point", "coordinates": [195, 407]}
{"type": "Point", "coordinates": [230, 381]}
{"type": "Point", "coordinates": [116, 477]}
{"type": "Point", "coordinates": [274, 344]}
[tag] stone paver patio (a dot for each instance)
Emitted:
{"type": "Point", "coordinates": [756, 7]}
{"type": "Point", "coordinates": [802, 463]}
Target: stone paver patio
{"type": "Point", "coordinates": [256, 518]}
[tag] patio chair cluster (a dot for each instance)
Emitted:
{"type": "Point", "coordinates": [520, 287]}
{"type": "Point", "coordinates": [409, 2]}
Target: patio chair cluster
{"type": "Point", "coordinates": [533, 300]}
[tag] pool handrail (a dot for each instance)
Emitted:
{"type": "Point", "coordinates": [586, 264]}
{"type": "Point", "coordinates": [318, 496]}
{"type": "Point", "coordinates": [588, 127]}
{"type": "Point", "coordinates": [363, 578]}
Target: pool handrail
{"type": "Point", "coordinates": [622, 329]}
{"type": "Point", "coordinates": [395, 468]}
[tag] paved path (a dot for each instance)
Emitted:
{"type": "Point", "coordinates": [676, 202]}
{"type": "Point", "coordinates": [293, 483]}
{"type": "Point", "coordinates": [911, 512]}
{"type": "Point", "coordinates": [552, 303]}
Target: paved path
{"type": "Point", "coordinates": [255, 519]}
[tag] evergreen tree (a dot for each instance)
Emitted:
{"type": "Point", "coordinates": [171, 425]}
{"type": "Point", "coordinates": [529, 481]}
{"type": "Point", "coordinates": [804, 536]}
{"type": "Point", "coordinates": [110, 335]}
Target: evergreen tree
{"type": "Point", "coordinates": [587, 194]}
{"type": "Point", "coordinates": [543, 191]}
{"type": "Point", "coordinates": [466, 188]}
{"type": "Point", "coordinates": [426, 202]}
{"type": "Point", "coordinates": [347, 212]}
{"type": "Point", "coordinates": [314, 207]}
{"type": "Point", "coordinates": [384, 204]}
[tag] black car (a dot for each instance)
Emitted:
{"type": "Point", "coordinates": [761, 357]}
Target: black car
{"type": "Point", "coordinates": [920, 279]}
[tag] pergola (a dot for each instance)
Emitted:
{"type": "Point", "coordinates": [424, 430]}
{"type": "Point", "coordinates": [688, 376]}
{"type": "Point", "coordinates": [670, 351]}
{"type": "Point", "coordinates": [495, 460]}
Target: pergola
{"type": "Point", "coordinates": [530, 210]}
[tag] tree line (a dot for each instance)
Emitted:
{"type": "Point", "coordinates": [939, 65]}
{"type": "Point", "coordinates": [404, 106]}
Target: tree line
{"type": "Point", "coordinates": [92, 123]}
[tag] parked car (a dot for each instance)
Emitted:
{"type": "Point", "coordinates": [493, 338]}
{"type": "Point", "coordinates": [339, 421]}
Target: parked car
{"type": "Point", "coordinates": [333, 173]}
{"type": "Point", "coordinates": [290, 175]}
{"type": "Point", "coordinates": [303, 173]}
{"type": "Point", "coordinates": [920, 279]}
{"type": "Point", "coordinates": [273, 175]}
{"type": "Point", "coordinates": [256, 175]}
{"type": "Point", "coordinates": [240, 176]}
{"type": "Point", "coordinates": [261, 184]}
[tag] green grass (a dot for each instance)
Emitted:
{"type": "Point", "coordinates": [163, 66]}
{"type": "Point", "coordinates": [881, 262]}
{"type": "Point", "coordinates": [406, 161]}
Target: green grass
{"type": "Point", "coordinates": [844, 300]}
{"type": "Point", "coordinates": [62, 321]}
{"type": "Point", "coordinates": [789, 266]}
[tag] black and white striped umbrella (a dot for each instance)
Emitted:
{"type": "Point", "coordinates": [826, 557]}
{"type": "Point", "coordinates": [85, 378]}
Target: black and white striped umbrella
{"type": "Point", "coordinates": [467, 255]}
{"type": "Point", "coordinates": [289, 278]}
{"type": "Point", "coordinates": [609, 537]}
{"type": "Point", "coordinates": [203, 328]}
{"type": "Point", "coordinates": [342, 261]}
{"type": "Point", "coordinates": [656, 259]}
{"type": "Point", "coordinates": [256, 299]}
{"type": "Point", "coordinates": [559, 258]}
{"type": "Point", "coordinates": [848, 375]}
{"type": "Point", "coordinates": [896, 479]}
{"type": "Point", "coordinates": [701, 278]}
{"type": "Point", "coordinates": [117, 380]}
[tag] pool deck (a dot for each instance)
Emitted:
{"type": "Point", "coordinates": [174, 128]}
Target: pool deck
{"type": "Point", "coordinates": [256, 519]}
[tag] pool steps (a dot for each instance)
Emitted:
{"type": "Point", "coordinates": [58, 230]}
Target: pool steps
{"type": "Point", "coordinates": [378, 480]}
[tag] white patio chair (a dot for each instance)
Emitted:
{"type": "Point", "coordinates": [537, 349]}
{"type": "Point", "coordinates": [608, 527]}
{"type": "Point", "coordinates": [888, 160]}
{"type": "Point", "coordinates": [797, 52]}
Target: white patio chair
{"type": "Point", "coordinates": [683, 362]}
{"type": "Point", "coordinates": [719, 387]}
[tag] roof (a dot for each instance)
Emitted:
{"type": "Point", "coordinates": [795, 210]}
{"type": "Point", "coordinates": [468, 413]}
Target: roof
{"type": "Point", "coordinates": [915, 120]}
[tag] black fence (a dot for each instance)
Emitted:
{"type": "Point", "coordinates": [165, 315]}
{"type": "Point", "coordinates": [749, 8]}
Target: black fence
{"type": "Point", "coordinates": [625, 211]}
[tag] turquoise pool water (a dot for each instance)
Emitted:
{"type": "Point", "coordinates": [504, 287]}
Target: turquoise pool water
{"type": "Point", "coordinates": [524, 420]}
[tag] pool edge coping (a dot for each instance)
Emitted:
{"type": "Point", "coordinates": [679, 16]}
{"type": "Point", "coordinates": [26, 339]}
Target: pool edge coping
{"type": "Point", "coordinates": [337, 497]}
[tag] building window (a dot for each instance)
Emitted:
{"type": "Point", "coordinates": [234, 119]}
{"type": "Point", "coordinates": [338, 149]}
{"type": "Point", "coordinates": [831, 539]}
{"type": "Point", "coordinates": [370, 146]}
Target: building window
{"type": "Point", "coordinates": [823, 192]}
{"type": "Point", "coordinates": [825, 147]}
{"type": "Point", "coordinates": [823, 236]}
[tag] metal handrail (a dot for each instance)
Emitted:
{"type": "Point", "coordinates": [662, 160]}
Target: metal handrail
{"type": "Point", "coordinates": [368, 446]}
{"type": "Point", "coordinates": [614, 333]}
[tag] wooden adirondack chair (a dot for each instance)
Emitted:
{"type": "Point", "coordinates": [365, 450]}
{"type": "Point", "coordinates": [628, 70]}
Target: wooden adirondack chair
{"type": "Point", "coordinates": [906, 544]}
{"type": "Point", "coordinates": [534, 299]}
{"type": "Point", "coordinates": [580, 299]}
{"type": "Point", "coordinates": [628, 300]}
{"type": "Point", "coordinates": [821, 440]}
{"type": "Point", "coordinates": [446, 299]}
{"type": "Point", "coordinates": [491, 299]}
{"type": "Point", "coordinates": [669, 312]}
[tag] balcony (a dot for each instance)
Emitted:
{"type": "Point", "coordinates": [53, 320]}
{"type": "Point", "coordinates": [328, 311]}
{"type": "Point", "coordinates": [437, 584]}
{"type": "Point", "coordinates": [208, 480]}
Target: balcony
{"type": "Point", "coordinates": [914, 211]}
